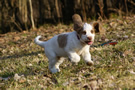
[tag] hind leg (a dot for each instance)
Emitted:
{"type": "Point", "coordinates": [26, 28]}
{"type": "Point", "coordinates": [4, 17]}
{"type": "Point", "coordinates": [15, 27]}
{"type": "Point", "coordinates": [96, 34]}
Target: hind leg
{"type": "Point", "coordinates": [57, 64]}
{"type": "Point", "coordinates": [54, 64]}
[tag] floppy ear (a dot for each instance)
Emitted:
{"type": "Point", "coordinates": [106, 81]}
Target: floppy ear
{"type": "Point", "coordinates": [96, 26]}
{"type": "Point", "coordinates": [99, 28]}
{"type": "Point", "coordinates": [78, 24]}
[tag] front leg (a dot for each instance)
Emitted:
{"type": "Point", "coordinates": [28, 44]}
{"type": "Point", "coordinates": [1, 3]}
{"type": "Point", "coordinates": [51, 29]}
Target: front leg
{"type": "Point", "coordinates": [87, 57]}
{"type": "Point", "coordinates": [74, 57]}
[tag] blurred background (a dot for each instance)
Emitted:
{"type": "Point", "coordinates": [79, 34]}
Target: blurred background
{"type": "Point", "coordinates": [19, 15]}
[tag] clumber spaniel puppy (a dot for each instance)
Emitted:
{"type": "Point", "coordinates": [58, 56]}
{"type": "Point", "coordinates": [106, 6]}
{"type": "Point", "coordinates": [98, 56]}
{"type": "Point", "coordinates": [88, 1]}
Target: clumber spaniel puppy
{"type": "Point", "coordinates": [71, 44]}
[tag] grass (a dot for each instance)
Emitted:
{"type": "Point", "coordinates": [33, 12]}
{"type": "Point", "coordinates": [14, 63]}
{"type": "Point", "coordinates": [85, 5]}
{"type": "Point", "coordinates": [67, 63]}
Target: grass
{"type": "Point", "coordinates": [113, 69]}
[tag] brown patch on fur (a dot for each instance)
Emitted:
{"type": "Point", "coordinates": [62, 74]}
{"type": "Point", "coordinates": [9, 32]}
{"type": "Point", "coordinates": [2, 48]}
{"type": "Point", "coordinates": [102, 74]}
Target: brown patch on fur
{"type": "Point", "coordinates": [78, 24]}
{"type": "Point", "coordinates": [62, 40]}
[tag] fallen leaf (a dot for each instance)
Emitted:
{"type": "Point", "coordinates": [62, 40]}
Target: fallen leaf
{"type": "Point", "coordinates": [106, 40]}
{"type": "Point", "coordinates": [2, 40]}
{"type": "Point", "coordinates": [30, 64]}
{"type": "Point", "coordinates": [93, 85]}
{"type": "Point", "coordinates": [125, 37]}
{"type": "Point", "coordinates": [112, 77]}
{"type": "Point", "coordinates": [17, 38]}
{"type": "Point", "coordinates": [112, 85]}
{"type": "Point", "coordinates": [0, 78]}
{"type": "Point", "coordinates": [22, 80]}
{"type": "Point", "coordinates": [65, 83]}
{"type": "Point", "coordinates": [127, 52]}
{"type": "Point", "coordinates": [16, 77]}
{"type": "Point", "coordinates": [86, 86]}
{"type": "Point", "coordinates": [133, 58]}
{"type": "Point", "coordinates": [2, 84]}
{"type": "Point", "coordinates": [100, 82]}
{"type": "Point", "coordinates": [131, 71]}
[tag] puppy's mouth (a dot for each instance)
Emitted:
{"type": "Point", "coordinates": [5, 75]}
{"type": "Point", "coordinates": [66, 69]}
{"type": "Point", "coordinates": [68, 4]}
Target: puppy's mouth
{"type": "Point", "coordinates": [89, 42]}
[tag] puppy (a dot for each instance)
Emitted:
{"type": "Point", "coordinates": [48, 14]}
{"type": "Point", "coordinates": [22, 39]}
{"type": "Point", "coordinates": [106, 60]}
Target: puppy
{"type": "Point", "coordinates": [71, 44]}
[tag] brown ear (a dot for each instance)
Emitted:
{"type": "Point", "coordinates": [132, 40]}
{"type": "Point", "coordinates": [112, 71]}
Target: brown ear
{"type": "Point", "coordinates": [78, 24]}
{"type": "Point", "coordinates": [96, 26]}
{"type": "Point", "coordinates": [99, 28]}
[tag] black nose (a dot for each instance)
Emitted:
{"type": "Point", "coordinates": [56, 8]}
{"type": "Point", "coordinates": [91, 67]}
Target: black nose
{"type": "Point", "coordinates": [89, 38]}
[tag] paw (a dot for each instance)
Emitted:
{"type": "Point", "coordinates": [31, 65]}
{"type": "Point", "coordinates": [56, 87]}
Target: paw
{"type": "Point", "coordinates": [90, 63]}
{"type": "Point", "coordinates": [55, 70]}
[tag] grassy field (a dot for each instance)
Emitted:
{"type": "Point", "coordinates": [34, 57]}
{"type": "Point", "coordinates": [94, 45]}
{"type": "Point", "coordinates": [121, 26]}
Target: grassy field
{"type": "Point", "coordinates": [23, 64]}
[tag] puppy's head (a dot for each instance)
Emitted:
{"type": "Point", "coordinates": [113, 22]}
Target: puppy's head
{"type": "Point", "coordinates": [86, 32]}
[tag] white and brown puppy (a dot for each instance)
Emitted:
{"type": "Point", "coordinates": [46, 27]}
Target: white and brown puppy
{"type": "Point", "coordinates": [71, 44]}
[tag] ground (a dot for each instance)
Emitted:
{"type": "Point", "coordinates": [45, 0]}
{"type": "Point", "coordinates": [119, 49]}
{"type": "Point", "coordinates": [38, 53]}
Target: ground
{"type": "Point", "coordinates": [23, 64]}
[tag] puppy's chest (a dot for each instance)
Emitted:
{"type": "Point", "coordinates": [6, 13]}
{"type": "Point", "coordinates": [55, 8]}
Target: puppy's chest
{"type": "Point", "coordinates": [80, 50]}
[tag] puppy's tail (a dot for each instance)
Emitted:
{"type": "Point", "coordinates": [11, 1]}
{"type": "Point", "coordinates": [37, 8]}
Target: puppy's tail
{"type": "Point", "coordinates": [38, 42]}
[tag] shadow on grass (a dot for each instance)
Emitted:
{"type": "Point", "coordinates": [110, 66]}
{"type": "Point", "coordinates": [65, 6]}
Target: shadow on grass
{"type": "Point", "coordinates": [20, 55]}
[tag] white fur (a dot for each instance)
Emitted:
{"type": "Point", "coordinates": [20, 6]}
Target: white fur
{"type": "Point", "coordinates": [87, 28]}
{"type": "Point", "coordinates": [73, 49]}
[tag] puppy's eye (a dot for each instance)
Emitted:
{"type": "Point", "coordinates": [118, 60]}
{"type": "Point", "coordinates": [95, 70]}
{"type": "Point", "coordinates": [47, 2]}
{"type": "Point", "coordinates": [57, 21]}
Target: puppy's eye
{"type": "Point", "coordinates": [84, 32]}
{"type": "Point", "coordinates": [92, 31]}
